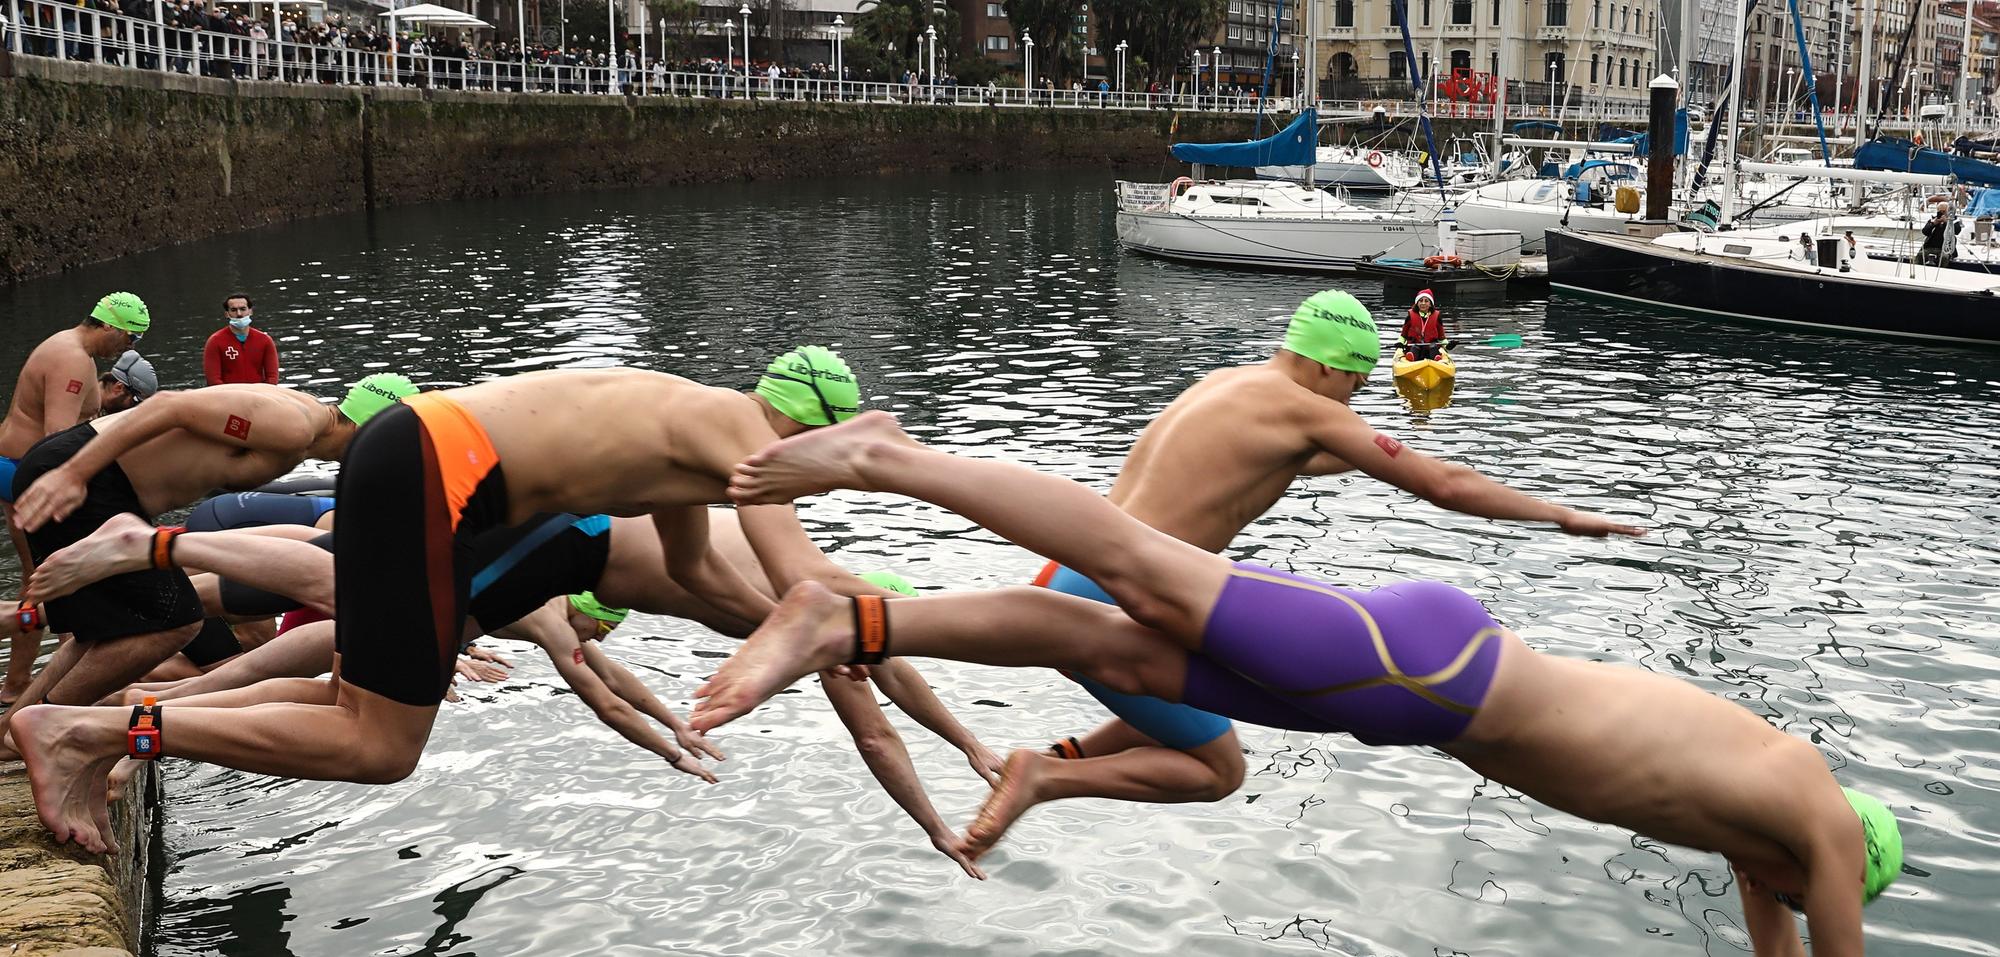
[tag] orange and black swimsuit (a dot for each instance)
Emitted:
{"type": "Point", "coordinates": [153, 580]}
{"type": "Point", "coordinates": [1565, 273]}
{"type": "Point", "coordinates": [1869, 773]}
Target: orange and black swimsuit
{"type": "Point", "coordinates": [419, 482]}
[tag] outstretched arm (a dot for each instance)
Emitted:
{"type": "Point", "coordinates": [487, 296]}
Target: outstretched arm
{"type": "Point", "coordinates": [1339, 432]}
{"type": "Point", "coordinates": [248, 417]}
{"type": "Point", "coordinates": [788, 555]}
{"type": "Point", "coordinates": [906, 687]}
{"type": "Point", "coordinates": [1773, 931]}
{"type": "Point", "coordinates": [882, 749]}
{"type": "Point", "coordinates": [627, 685]}
{"type": "Point", "coordinates": [548, 629]}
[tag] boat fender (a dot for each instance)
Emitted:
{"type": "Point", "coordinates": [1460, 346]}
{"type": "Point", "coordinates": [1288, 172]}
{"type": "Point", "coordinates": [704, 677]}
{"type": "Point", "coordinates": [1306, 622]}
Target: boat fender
{"type": "Point", "coordinates": [1375, 158]}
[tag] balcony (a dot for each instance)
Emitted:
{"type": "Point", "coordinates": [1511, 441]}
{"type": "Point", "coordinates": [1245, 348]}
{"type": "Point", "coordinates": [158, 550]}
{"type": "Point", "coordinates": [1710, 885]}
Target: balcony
{"type": "Point", "coordinates": [1551, 33]}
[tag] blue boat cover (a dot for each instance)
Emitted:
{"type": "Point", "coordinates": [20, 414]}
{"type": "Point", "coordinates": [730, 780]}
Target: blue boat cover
{"type": "Point", "coordinates": [1902, 156]}
{"type": "Point", "coordinates": [1985, 202]}
{"type": "Point", "coordinates": [1291, 146]}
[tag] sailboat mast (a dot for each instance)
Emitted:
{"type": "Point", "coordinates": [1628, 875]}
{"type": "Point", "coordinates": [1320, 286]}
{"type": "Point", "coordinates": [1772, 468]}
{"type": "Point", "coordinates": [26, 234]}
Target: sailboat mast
{"type": "Point", "coordinates": [1865, 82]}
{"type": "Point", "coordinates": [1735, 111]}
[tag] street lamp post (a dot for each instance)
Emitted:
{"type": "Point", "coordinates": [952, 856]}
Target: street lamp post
{"type": "Point", "coordinates": [1217, 85]}
{"type": "Point", "coordinates": [1027, 67]}
{"type": "Point", "coordinates": [1121, 66]}
{"type": "Point", "coordinates": [1552, 86]}
{"type": "Point", "coordinates": [1295, 77]}
{"type": "Point", "coordinates": [838, 74]}
{"type": "Point", "coordinates": [1197, 79]}
{"type": "Point", "coordinates": [930, 61]}
{"type": "Point", "coordinates": [727, 65]}
{"type": "Point", "coordinates": [748, 85]}
{"type": "Point", "coordinates": [611, 43]}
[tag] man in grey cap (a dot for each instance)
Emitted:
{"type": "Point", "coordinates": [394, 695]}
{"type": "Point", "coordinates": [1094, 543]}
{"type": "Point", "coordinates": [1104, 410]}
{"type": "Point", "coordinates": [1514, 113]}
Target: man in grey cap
{"type": "Point", "coordinates": [130, 381]}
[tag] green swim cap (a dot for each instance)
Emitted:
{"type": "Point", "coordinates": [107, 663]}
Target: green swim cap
{"type": "Point", "coordinates": [884, 578]}
{"type": "Point", "coordinates": [122, 310]}
{"type": "Point", "coordinates": [589, 605]}
{"type": "Point", "coordinates": [811, 385]}
{"type": "Point", "coordinates": [373, 394]}
{"type": "Point", "coordinates": [1884, 844]}
{"type": "Point", "coordinates": [1335, 330]}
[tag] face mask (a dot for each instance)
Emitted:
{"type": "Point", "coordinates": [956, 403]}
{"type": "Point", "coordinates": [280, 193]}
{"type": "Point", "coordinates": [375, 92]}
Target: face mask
{"type": "Point", "coordinates": [240, 323]}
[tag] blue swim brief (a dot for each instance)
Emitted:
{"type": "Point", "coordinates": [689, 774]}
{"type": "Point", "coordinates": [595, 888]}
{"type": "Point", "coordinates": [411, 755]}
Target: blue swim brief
{"type": "Point", "coordinates": [7, 467]}
{"type": "Point", "coordinates": [1177, 726]}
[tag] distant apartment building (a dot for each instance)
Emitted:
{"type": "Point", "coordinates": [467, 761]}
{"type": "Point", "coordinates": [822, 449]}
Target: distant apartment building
{"type": "Point", "coordinates": [1572, 50]}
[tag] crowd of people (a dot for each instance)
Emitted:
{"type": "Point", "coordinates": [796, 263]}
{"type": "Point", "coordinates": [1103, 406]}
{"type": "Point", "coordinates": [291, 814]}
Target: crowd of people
{"type": "Point", "coordinates": [213, 40]}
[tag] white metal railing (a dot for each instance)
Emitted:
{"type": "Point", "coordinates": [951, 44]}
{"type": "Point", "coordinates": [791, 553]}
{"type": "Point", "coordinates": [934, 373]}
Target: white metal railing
{"type": "Point", "coordinates": [65, 30]}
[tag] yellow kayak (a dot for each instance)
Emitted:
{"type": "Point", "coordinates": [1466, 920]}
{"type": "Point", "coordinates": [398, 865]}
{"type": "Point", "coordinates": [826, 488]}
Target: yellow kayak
{"type": "Point", "coordinates": [1427, 373]}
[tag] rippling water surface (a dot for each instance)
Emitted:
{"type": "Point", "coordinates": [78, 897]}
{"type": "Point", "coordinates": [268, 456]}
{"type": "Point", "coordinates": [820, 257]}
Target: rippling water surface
{"type": "Point", "coordinates": [1824, 553]}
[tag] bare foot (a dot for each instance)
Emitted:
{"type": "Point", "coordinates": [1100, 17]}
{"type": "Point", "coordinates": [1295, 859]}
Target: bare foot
{"type": "Point", "coordinates": [124, 543]}
{"type": "Point", "coordinates": [819, 460]}
{"type": "Point", "coordinates": [68, 757]}
{"type": "Point", "coordinates": [809, 631]}
{"type": "Point", "coordinates": [1014, 797]}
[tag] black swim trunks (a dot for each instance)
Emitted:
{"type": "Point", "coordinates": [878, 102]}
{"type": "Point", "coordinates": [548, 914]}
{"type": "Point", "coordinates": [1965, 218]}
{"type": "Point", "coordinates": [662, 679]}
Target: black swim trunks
{"type": "Point", "coordinates": [134, 603]}
{"type": "Point", "coordinates": [420, 483]}
{"type": "Point", "coordinates": [517, 568]}
{"type": "Point", "coordinates": [214, 642]}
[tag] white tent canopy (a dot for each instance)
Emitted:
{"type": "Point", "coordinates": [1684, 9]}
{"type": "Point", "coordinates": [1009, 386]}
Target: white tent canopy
{"type": "Point", "coordinates": [433, 14]}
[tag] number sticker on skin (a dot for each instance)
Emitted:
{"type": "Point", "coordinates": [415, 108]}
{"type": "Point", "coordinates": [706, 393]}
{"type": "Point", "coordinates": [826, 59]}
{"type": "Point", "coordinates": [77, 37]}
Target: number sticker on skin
{"type": "Point", "coordinates": [75, 386]}
{"type": "Point", "coordinates": [579, 654]}
{"type": "Point", "coordinates": [1389, 445]}
{"type": "Point", "coordinates": [237, 427]}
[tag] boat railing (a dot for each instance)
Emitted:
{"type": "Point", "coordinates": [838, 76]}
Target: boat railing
{"type": "Point", "coordinates": [1143, 197]}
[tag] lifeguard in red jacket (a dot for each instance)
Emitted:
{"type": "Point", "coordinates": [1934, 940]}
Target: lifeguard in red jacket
{"type": "Point", "coordinates": [1423, 332]}
{"type": "Point", "coordinates": [238, 353]}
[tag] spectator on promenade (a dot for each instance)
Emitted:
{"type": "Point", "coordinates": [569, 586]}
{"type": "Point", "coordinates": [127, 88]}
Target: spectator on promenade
{"type": "Point", "coordinates": [238, 353]}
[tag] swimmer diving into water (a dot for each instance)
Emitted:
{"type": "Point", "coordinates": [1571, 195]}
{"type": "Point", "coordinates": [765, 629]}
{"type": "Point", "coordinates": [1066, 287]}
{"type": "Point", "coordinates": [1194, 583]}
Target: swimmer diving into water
{"type": "Point", "coordinates": [1416, 663]}
{"type": "Point", "coordinates": [1218, 457]}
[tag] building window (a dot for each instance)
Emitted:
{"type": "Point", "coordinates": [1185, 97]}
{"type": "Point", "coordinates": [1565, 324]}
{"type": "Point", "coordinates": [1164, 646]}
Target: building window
{"type": "Point", "coordinates": [1002, 42]}
{"type": "Point", "coordinates": [1593, 69]}
{"type": "Point", "coordinates": [996, 11]}
{"type": "Point", "coordinates": [1399, 66]}
{"type": "Point", "coordinates": [1496, 12]}
{"type": "Point", "coordinates": [1621, 71]}
{"type": "Point", "coordinates": [1625, 17]}
{"type": "Point", "coordinates": [1494, 67]}
{"type": "Point", "coordinates": [1427, 12]}
{"type": "Point", "coordinates": [1553, 68]}
{"type": "Point", "coordinates": [1558, 13]}
{"type": "Point", "coordinates": [1461, 60]}
{"type": "Point", "coordinates": [1395, 13]}
{"type": "Point", "coordinates": [1461, 13]}
{"type": "Point", "coordinates": [1596, 13]}
{"type": "Point", "coordinates": [1343, 13]}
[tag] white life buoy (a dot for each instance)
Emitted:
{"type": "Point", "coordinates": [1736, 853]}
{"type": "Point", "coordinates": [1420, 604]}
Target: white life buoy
{"type": "Point", "coordinates": [1375, 159]}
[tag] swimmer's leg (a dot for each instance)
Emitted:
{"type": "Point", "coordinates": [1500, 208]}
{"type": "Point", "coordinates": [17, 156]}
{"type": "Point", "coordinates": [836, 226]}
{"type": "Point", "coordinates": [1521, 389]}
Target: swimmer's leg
{"type": "Point", "coordinates": [1160, 581]}
{"type": "Point", "coordinates": [303, 652]}
{"type": "Point", "coordinates": [813, 629]}
{"type": "Point", "coordinates": [270, 560]}
{"type": "Point", "coordinates": [361, 736]}
{"type": "Point", "coordinates": [1147, 773]}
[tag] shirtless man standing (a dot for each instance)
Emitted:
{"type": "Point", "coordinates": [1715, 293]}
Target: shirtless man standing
{"type": "Point", "coordinates": [1417, 663]}
{"type": "Point", "coordinates": [424, 479]}
{"type": "Point", "coordinates": [166, 453]}
{"type": "Point", "coordinates": [57, 389]}
{"type": "Point", "coordinates": [1215, 460]}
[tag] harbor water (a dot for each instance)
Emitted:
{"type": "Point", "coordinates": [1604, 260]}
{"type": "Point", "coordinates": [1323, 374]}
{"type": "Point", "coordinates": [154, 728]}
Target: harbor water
{"type": "Point", "coordinates": [1824, 550]}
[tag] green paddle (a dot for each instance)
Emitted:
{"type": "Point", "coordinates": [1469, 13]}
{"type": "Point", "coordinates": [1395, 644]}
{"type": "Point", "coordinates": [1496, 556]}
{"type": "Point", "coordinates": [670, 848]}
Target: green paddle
{"type": "Point", "coordinates": [1505, 340]}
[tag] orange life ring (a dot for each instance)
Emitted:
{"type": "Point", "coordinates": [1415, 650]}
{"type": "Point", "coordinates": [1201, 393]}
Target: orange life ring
{"type": "Point", "coordinates": [1433, 262]}
{"type": "Point", "coordinates": [1375, 159]}
{"type": "Point", "coordinates": [1174, 188]}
